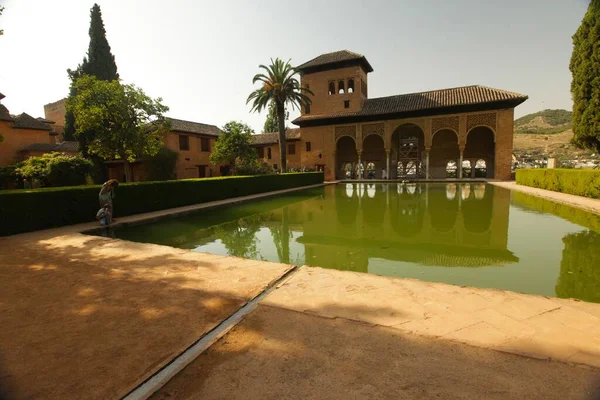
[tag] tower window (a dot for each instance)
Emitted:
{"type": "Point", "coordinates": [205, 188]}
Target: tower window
{"type": "Point", "coordinates": [291, 149]}
{"type": "Point", "coordinates": [331, 88]}
{"type": "Point", "coordinates": [269, 153]}
{"type": "Point", "coordinates": [350, 85]}
{"type": "Point", "coordinates": [341, 89]}
{"type": "Point", "coordinates": [308, 146]}
{"type": "Point", "coordinates": [346, 103]}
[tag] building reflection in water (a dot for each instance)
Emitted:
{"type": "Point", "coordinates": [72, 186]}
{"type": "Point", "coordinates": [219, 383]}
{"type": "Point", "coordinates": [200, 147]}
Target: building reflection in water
{"type": "Point", "coordinates": [452, 225]}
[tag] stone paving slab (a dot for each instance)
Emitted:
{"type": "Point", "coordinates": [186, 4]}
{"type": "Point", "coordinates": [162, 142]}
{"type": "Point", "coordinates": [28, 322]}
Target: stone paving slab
{"type": "Point", "coordinates": [585, 203]}
{"type": "Point", "coordinates": [85, 317]}
{"type": "Point", "coordinates": [282, 354]}
{"type": "Point", "coordinates": [534, 326]}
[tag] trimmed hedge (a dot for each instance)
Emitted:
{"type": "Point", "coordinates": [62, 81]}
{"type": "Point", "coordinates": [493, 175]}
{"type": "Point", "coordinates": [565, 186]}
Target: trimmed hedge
{"type": "Point", "coordinates": [581, 182]}
{"type": "Point", "coordinates": [28, 210]}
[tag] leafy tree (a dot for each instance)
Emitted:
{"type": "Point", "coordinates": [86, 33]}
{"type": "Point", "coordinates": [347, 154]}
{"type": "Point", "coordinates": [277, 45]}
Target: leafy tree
{"type": "Point", "coordinates": [279, 86]}
{"type": "Point", "coordinates": [233, 146]}
{"type": "Point", "coordinates": [585, 87]}
{"type": "Point", "coordinates": [579, 276]}
{"type": "Point", "coordinates": [271, 124]}
{"type": "Point", "coordinates": [161, 166]}
{"type": "Point", "coordinates": [127, 124]}
{"type": "Point", "coordinates": [99, 62]}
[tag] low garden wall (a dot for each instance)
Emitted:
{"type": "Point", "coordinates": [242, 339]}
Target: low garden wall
{"type": "Point", "coordinates": [580, 182]}
{"type": "Point", "coordinates": [28, 210]}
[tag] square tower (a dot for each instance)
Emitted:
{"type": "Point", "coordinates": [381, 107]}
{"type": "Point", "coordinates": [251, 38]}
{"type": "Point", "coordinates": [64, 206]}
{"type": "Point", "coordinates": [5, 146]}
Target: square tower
{"type": "Point", "coordinates": [338, 81]}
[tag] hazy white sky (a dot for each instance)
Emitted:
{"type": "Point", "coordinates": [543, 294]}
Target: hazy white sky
{"type": "Point", "coordinates": [200, 56]}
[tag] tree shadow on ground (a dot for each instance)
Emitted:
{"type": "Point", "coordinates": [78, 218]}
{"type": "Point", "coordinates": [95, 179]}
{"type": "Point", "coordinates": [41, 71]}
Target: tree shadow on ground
{"type": "Point", "coordinates": [89, 317]}
{"type": "Point", "coordinates": [275, 353]}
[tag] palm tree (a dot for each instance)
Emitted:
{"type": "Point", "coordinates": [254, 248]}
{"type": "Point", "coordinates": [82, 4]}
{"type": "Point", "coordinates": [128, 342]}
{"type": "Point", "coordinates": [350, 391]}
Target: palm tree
{"type": "Point", "coordinates": [281, 87]}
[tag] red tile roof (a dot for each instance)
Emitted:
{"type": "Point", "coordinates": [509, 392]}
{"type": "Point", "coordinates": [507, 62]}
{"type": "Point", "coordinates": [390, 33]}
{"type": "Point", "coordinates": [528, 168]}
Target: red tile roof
{"type": "Point", "coordinates": [337, 57]}
{"type": "Point", "coordinates": [430, 100]}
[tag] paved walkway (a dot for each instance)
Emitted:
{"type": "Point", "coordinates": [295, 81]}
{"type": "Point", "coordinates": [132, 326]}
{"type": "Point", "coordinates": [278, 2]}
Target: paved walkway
{"type": "Point", "coordinates": [535, 326]}
{"type": "Point", "coordinates": [276, 354]}
{"type": "Point", "coordinates": [585, 203]}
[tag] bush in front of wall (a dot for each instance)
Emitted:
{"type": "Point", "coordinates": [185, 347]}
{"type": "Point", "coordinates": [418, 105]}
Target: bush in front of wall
{"type": "Point", "coordinates": [28, 210]}
{"type": "Point", "coordinates": [580, 182]}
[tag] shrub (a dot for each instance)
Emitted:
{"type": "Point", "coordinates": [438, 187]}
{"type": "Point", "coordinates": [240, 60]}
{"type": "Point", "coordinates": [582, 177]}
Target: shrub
{"type": "Point", "coordinates": [22, 211]}
{"type": "Point", "coordinates": [254, 167]}
{"type": "Point", "coordinates": [56, 169]}
{"type": "Point", "coordinates": [161, 167]}
{"type": "Point", "coordinates": [572, 181]}
{"type": "Point", "coordinates": [65, 170]}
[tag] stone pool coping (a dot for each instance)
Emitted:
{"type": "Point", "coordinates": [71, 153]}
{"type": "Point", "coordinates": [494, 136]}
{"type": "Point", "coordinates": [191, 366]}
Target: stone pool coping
{"type": "Point", "coordinates": [585, 203]}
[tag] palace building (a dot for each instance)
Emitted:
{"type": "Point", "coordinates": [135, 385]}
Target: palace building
{"type": "Point", "coordinates": [425, 135]}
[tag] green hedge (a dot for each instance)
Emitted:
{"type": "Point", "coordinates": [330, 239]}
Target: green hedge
{"type": "Point", "coordinates": [28, 210]}
{"type": "Point", "coordinates": [581, 182]}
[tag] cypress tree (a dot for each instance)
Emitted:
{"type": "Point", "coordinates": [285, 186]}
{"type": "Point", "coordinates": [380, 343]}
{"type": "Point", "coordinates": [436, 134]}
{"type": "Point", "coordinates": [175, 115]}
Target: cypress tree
{"type": "Point", "coordinates": [100, 62]}
{"type": "Point", "coordinates": [585, 87]}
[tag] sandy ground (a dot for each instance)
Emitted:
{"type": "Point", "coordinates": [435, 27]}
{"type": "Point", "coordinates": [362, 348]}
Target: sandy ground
{"type": "Point", "coordinates": [282, 354]}
{"type": "Point", "coordinates": [89, 318]}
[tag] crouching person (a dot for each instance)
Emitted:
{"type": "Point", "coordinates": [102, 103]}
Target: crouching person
{"type": "Point", "coordinates": [104, 215]}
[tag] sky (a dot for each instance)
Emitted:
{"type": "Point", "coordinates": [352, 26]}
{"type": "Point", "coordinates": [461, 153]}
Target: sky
{"type": "Point", "coordinates": [200, 56]}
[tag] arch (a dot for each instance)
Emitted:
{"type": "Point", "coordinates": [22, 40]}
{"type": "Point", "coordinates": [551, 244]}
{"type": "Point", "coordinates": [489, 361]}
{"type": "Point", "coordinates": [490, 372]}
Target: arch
{"type": "Point", "coordinates": [443, 207]}
{"type": "Point", "coordinates": [331, 89]}
{"type": "Point", "coordinates": [465, 191]}
{"type": "Point", "coordinates": [373, 151]}
{"type": "Point", "coordinates": [345, 153]}
{"type": "Point", "coordinates": [341, 89]}
{"type": "Point", "coordinates": [451, 169]}
{"type": "Point", "coordinates": [359, 173]}
{"type": "Point", "coordinates": [371, 190]}
{"type": "Point", "coordinates": [350, 85]}
{"type": "Point", "coordinates": [477, 215]}
{"type": "Point", "coordinates": [346, 207]}
{"type": "Point", "coordinates": [349, 190]}
{"type": "Point", "coordinates": [407, 149]}
{"type": "Point", "coordinates": [444, 148]}
{"type": "Point", "coordinates": [467, 168]}
{"type": "Point", "coordinates": [407, 213]}
{"type": "Point", "coordinates": [480, 168]}
{"type": "Point", "coordinates": [481, 145]}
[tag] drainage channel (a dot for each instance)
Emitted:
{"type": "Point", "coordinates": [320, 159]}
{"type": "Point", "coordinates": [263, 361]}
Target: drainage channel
{"type": "Point", "coordinates": [160, 378]}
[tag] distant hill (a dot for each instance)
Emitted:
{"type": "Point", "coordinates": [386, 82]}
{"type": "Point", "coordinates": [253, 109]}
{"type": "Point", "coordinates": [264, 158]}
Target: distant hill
{"type": "Point", "coordinates": [544, 122]}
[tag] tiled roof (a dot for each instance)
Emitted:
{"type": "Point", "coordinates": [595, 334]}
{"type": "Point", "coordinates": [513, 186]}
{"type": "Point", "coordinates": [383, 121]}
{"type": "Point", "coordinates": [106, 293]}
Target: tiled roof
{"type": "Point", "coordinates": [335, 58]}
{"type": "Point", "coordinates": [180, 125]}
{"type": "Point", "coordinates": [4, 114]}
{"type": "Point", "coordinates": [2, 96]}
{"type": "Point", "coordinates": [431, 100]}
{"type": "Point", "coordinates": [26, 121]}
{"type": "Point", "coordinates": [46, 121]}
{"type": "Point", "coordinates": [273, 137]}
{"type": "Point", "coordinates": [60, 147]}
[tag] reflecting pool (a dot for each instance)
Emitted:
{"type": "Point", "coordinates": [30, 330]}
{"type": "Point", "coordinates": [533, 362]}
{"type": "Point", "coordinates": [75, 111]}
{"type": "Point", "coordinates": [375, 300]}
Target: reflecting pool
{"type": "Point", "coordinates": [465, 234]}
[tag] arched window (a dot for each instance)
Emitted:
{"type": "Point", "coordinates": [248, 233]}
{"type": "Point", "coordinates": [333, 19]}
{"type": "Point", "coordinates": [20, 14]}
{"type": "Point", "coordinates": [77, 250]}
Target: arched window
{"type": "Point", "coordinates": [451, 169]}
{"type": "Point", "coordinates": [350, 85]}
{"type": "Point", "coordinates": [411, 168]}
{"type": "Point", "coordinates": [480, 169]}
{"type": "Point", "coordinates": [331, 88]}
{"type": "Point", "coordinates": [466, 167]}
{"type": "Point", "coordinates": [341, 89]}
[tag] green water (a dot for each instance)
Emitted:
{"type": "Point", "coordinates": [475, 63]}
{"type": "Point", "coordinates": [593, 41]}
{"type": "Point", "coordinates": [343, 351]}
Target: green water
{"type": "Point", "coordinates": [469, 234]}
